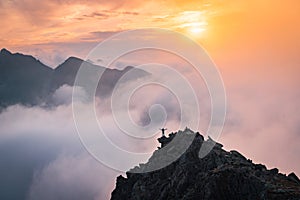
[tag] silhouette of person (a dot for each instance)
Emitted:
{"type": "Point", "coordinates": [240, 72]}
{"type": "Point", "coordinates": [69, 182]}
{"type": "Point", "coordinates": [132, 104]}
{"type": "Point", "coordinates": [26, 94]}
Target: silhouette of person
{"type": "Point", "coordinates": [163, 131]}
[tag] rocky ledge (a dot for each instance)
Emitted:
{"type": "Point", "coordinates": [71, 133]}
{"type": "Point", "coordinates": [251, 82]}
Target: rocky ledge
{"type": "Point", "coordinates": [220, 175]}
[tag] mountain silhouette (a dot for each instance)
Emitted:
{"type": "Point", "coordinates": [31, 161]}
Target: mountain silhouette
{"type": "Point", "coordinates": [221, 175]}
{"type": "Point", "coordinates": [25, 80]}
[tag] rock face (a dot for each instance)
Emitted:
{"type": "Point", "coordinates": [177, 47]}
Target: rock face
{"type": "Point", "coordinates": [220, 175]}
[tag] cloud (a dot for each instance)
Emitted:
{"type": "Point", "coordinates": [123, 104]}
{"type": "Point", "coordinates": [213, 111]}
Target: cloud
{"type": "Point", "coordinates": [31, 145]}
{"type": "Point", "coordinates": [97, 15]}
{"type": "Point", "coordinates": [106, 14]}
{"type": "Point", "coordinates": [63, 95]}
{"type": "Point", "coordinates": [99, 35]}
{"type": "Point", "coordinates": [40, 11]}
{"type": "Point", "coordinates": [262, 95]}
{"type": "Point", "coordinates": [72, 177]}
{"type": "Point", "coordinates": [50, 162]}
{"type": "Point", "coordinates": [262, 122]}
{"type": "Point", "coordinates": [45, 154]}
{"type": "Point", "coordinates": [48, 158]}
{"type": "Point", "coordinates": [54, 53]}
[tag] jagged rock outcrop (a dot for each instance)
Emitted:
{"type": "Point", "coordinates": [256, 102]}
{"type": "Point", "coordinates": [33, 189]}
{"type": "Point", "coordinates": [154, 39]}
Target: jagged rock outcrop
{"type": "Point", "coordinates": [221, 175]}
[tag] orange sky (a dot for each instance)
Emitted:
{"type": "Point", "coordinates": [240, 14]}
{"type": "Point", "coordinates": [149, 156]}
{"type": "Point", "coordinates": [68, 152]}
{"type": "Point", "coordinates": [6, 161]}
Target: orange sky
{"type": "Point", "coordinates": [233, 25]}
{"type": "Point", "coordinates": [256, 45]}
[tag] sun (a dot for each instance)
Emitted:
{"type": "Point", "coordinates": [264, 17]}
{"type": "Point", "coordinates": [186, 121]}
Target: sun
{"type": "Point", "coordinates": [195, 29]}
{"type": "Point", "coordinates": [192, 23]}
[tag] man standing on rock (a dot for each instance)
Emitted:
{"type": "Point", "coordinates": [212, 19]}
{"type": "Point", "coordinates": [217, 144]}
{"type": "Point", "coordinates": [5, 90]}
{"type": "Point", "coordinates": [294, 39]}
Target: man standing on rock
{"type": "Point", "coordinates": [163, 131]}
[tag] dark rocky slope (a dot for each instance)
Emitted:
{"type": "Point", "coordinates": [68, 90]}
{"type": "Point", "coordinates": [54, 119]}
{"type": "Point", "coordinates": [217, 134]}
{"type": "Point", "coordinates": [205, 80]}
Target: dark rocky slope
{"type": "Point", "coordinates": [220, 175]}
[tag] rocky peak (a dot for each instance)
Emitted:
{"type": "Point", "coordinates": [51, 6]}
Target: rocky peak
{"type": "Point", "coordinates": [219, 175]}
{"type": "Point", "coordinates": [5, 52]}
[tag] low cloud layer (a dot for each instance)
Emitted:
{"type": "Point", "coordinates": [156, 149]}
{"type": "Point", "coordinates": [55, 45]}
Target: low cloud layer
{"type": "Point", "coordinates": [42, 156]}
{"type": "Point", "coordinates": [72, 177]}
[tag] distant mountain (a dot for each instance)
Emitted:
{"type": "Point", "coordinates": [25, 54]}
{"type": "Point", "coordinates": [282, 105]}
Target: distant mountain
{"type": "Point", "coordinates": [25, 80]}
{"type": "Point", "coordinates": [221, 175]}
{"type": "Point", "coordinates": [66, 72]}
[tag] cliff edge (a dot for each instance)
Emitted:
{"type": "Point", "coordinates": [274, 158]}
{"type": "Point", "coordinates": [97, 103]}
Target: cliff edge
{"type": "Point", "coordinates": [221, 175]}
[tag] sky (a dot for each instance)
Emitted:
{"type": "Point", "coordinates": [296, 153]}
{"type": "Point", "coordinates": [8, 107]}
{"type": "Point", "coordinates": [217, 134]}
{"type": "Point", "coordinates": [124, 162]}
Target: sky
{"type": "Point", "coordinates": [54, 30]}
{"type": "Point", "coordinates": [255, 45]}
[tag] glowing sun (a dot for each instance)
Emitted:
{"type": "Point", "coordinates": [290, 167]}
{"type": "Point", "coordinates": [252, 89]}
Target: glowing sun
{"type": "Point", "coordinates": [192, 22]}
{"type": "Point", "coordinates": [195, 29]}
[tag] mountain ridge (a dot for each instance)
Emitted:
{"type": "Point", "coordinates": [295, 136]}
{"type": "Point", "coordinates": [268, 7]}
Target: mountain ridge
{"type": "Point", "coordinates": [26, 80]}
{"type": "Point", "coordinates": [221, 175]}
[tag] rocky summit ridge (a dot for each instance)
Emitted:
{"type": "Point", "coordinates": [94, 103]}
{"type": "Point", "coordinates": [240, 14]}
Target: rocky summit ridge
{"type": "Point", "coordinates": [220, 175]}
